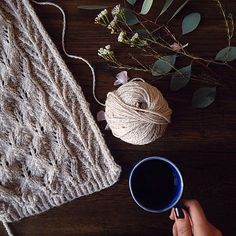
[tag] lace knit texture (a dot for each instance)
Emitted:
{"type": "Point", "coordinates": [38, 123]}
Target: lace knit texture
{"type": "Point", "coordinates": [51, 150]}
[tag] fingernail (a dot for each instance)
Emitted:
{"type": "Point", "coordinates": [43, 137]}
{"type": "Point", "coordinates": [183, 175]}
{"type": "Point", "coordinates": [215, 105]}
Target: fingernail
{"type": "Point", "coordinates": [179, 213]}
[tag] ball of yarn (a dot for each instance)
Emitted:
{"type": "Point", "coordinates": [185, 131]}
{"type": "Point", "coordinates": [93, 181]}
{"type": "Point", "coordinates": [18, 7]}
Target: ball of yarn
{"type": "Point", "coordinates": [137, 113]}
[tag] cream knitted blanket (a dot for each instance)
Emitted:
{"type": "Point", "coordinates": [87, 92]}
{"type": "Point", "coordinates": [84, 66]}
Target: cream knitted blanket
{"type": "Point", "coordinates": [51, 150]}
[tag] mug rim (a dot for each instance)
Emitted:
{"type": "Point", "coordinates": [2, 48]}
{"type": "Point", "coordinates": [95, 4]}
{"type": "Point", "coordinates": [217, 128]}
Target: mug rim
{"type": "Point", "coordinates": [181, 184]}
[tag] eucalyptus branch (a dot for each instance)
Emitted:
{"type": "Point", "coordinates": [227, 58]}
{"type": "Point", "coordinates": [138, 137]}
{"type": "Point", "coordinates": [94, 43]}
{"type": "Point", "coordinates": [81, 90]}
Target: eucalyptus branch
{"type": "Point", "coordinates": [160, 48]}
{"type": "Point", "coordinates": [183, 52]}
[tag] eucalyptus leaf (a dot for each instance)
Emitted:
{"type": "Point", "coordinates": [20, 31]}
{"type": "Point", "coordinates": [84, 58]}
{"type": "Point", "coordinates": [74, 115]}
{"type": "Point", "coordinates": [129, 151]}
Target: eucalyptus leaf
{"type": "Point", "coordinates": [226, 54]}
{"type": "Point", "coordinates": [147, 4]}
{"type": "Point", "coordinates": [178, 10]}
{"type": "Point", "coordinates": [132, 2]}
{"type": "Point", "coordinates": [190, 22]}
{"type": "Point", "coordinates": [92, 7]}
{"type": "Point", "coordinates": [166, 6]}
{"type": "Point", "coordinates": [180, 79]}
{"type": "Point", "coordinates": [142, 32]}
{"type": "Point", "coordinates": [163, 65]}
{"type": "Point", "coordinates": [130, 18]}
{"type": "Point", "coordinates": [204, 97]}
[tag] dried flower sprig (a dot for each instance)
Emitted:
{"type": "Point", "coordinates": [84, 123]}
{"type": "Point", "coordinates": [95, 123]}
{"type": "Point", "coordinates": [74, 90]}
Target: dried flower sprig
{"type": "Point", "coordinates": [229, 22]}
{"type": "Point", "coordinates": [152, 42]}
{"type": "Point", "coordinates": [102, 18]}
{"type": "Point", "coordinates": [106, 53]}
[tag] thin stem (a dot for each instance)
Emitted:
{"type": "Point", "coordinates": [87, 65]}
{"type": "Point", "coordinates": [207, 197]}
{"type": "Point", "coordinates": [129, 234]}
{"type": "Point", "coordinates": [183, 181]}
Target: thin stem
{"type": "Point", "coordinates": [208, 69]}
{"type": "Point", "coordinates": [124, 21]}
{"type": "Point", "coordinates": [196, 78]}
{"type": "Point", "coordinates": [107, 19]}
{"type": "Point", "coordinates": [128, 67]}
{"type": "Point", "coordinates": [169, 32]}
{"type": "Point", "coordinates": [226, 22]}
{"type": "Point", "coordinates": [145, 28]}
{"type": "Point", "coordinates": [143, 66]}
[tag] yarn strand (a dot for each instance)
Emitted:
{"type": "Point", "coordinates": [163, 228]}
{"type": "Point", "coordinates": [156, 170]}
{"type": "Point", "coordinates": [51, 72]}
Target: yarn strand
{"type": "Point", "coordinates": [71, 55]}
{"type": "Point", "coordinates": [5, 224]}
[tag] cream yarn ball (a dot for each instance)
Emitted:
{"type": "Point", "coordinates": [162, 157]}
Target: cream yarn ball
{"type": "Point", "coordinates": [137, 113]}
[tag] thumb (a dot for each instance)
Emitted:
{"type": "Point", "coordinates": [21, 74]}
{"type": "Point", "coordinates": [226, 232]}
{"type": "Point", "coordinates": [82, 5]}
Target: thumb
{"type": "Point", "coordinates": [182, 222]}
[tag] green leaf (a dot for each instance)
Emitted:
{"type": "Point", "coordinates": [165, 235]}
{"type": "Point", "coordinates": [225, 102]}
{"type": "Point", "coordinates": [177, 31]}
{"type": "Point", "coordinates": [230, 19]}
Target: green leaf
{"type": "Point", "coordinates": [142, 32]}
{"type": "Point", "coordinates": [92, 7]}
{"type": "Point", "coordinates": [204, 97]}
{"type": "Point", "coordinates": [166, 6]}
{"type": "Point", "coordinates": [132, 2]}
{"type": "Point", "coordinates": [190, 22]}
{"type": "Point", "coordinates": [180, 80]}
{"type": "Point", "coordinates": [226, 54]}
{"type": "Point", "coordinates": [147, 4]}
{"type": "Point", "coordinates": [130, 17]}
{"type": "Point", "coordinates": [163, 65]}
{"type": "Point", "coordinates": [178, 10]}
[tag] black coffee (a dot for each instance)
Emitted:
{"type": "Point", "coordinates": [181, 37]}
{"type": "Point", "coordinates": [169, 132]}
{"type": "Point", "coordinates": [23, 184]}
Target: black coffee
{"type": "Point", "coordinates": [153, 184]}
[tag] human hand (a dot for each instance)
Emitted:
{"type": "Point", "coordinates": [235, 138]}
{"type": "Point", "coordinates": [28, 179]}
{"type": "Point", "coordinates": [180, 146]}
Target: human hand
{"type": "Point", "coordinates": [193, 222]}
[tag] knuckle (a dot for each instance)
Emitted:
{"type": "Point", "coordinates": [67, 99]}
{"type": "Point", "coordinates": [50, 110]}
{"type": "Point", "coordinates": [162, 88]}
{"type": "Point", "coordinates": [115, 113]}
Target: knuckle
{"type": "Point", "coordinates": [194, 202]}
{"type": "Point", "coordinates": [184, 230]}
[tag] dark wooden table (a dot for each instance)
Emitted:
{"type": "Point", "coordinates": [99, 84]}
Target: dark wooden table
{"type": "Point", "coordinates": [200, 141]}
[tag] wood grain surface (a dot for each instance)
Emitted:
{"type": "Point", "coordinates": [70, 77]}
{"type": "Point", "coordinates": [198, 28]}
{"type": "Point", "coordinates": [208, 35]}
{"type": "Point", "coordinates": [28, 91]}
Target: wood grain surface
{"type": "Point", "coordinates": [200, 141]}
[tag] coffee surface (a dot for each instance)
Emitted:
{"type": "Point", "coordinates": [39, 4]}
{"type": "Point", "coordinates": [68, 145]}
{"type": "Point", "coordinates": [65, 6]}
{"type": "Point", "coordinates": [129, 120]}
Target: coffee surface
{"type": "Point", "coordinates": [153, 184]}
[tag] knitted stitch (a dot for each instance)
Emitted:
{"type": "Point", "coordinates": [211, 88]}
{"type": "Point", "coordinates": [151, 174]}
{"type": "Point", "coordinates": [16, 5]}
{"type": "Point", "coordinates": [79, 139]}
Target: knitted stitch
{"type": "Point", "coordinates": [51, 150]}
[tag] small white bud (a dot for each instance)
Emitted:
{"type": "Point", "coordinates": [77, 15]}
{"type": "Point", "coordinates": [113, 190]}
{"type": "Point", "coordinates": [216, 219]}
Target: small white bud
{"type": "Point", "coordinates": [121, 36]}
{"type": "Point", "coordinates": [135, 36]}
{"type": "Point", "coordinates": [104, 12]}
{"type": "Point", "coordinates": [116, 10]}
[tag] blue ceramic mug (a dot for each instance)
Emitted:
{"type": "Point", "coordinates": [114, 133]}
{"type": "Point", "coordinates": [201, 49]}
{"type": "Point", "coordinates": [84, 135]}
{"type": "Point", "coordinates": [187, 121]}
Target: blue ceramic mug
{"type": "Point", "coordinates": [156, 184]}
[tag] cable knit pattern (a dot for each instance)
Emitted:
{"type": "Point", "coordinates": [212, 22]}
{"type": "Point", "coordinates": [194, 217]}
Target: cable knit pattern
{"type": "Point", "coordinates": [51, 150]}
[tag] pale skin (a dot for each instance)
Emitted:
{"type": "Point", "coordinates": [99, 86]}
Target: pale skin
{"type": "Point", "coordinates": [194, 222]}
